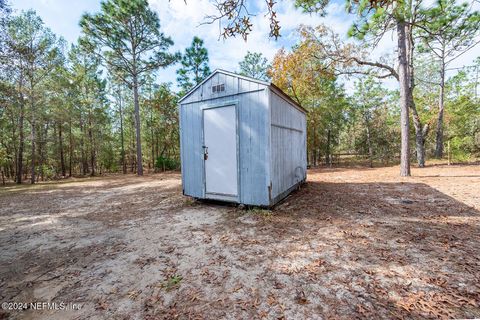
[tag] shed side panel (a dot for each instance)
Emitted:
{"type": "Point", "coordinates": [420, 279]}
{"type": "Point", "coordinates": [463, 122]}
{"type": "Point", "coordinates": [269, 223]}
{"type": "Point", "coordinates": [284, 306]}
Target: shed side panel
{"type": "Point", "coordinates": [288, 145]}
{"type": "Point", "coordinates": [192, 152]}
{"type": "Point", "coordinates": [254, 137]}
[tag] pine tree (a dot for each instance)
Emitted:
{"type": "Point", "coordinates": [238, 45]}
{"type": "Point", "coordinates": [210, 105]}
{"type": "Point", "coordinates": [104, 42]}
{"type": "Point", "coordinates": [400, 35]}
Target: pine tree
{"type": "Point", "coordinates": [255, 65]}
{"type": "Point", "coordinates": [450, 30]}
{"type": "Point", "coordinates": [194, 65]}
{"type": "Point", "coordinates": [128, 34]}
{"type": "Point", "coordinates": [34, 54]}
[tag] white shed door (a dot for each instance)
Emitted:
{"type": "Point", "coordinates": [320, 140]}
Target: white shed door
{"type": "Point", "coordinates": [220, 134]}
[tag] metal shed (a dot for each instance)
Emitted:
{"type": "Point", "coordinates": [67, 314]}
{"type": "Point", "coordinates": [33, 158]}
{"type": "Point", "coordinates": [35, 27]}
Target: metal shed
{"type": "Point", "coordinates": [242, 140]}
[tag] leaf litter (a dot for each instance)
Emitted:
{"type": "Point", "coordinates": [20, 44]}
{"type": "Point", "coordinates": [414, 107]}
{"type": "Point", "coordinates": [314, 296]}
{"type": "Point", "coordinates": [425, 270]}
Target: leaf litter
{"type": "Point", "coordinates": [351, 243]}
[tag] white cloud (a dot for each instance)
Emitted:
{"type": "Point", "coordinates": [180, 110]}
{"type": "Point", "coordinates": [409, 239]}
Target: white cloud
{"type": "Point", "coordinates": [184, 21]}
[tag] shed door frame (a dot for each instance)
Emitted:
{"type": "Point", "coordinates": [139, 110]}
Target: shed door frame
{"type": "Point", "coordinates": [217, 196]}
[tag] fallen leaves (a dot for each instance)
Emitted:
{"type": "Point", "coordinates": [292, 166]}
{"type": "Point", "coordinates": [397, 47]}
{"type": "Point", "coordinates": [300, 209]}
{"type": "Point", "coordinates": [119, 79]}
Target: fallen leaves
{"type": "Point", "coordinates": [300, 297]}
{"type": "Point", "coordinates": [101, 304]}
{"type": "Point", "coordinates": [142, 262]}
{"type": "Point", "coordinates": [271, 300]}
{"type": "Point", "coordinates": [133, 294]}
{"type": "Point", "coordinates": [338, 249]}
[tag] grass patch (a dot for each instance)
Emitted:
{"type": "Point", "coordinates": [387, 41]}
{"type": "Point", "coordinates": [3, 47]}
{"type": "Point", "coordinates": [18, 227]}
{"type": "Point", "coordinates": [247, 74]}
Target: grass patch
{"type": "Point", "coordinates": [261, 212]}
{"type": "Point", "coordinates": [172, 282]}
{"type": "Point", "coordinates": [190, 202]}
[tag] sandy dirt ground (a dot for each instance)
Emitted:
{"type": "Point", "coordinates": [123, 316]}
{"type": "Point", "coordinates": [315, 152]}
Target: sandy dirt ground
{"type": "Point", "coordinates": [351, 243]}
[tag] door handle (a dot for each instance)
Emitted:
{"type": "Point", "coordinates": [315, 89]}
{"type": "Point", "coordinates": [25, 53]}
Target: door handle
{"type": "Point", "coordinates": [205, 152]}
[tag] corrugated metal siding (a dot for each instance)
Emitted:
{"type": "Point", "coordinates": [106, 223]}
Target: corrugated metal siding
{"type": "Point", "coordinates": [253, 119]}
{"type": "Point", "coordinates": [288, 145]}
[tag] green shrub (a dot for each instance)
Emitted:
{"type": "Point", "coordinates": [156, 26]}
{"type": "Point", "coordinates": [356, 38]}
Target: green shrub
{"type": "Point", "coordinates": [163, 163]}
{"type": "Point", "coordinates": [459, 149]}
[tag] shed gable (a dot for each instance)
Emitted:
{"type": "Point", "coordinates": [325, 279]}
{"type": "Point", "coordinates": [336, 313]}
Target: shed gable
{"type": "Point", "coordinates": [221, 84]}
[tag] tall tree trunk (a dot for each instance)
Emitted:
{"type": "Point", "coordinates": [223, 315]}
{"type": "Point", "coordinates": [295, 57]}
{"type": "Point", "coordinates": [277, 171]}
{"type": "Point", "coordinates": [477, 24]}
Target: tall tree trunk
{"type": "Point", "coordinates": [12, 167]}
{"type": "Point", "coordinates": [420, 134]}
{"type": "Point", "coordinates": [13, 174]}
{"type": "Point", "coordinates": [60, 145]}
{"type": "Point", "coordinates": [476, 82]}
{"type": "Point", "coordinates": [21, 144]}
{"type": "Point", "coordinates": [441, 107]}
{"type": "Point", "coordinates": [152, 138]}
{"type": "Point", "coordinates": [132, 147]}
{"type": "Point", "coordinates": [369, 143]}
{"type": "Point", "coordinates": [70, 156]}
{"type": "Point", "coordinates": [92, 146]}
{"type": "Point", "coordinates": [41, 149]}
{"type": "Point", "coordinates": [122, 140]}
{"type": "Point", "coordinates": [328, 161]}
{"type": "Point", "coordinates": [417, 122]}
{"type": "Point", "coordinates": [85, 169]}
{"type": "Point", "coordinates": [157, 145]}
{"type": "Point", "coordinates": [314, 144]}
{"type": "Point", "coordinates": [25, 172]}
{"type": "Point", "coordinates": [404, 97]}
{"type": "Point", "coordinates": [137, 127]}
{"type": "Point", "coordinates": [32, 165]}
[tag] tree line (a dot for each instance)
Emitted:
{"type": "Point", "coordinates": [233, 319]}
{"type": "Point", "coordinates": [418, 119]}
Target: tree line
{"type": "Point", "coordinates": [440, 33]}
{"type": "Point", "coordinates": [97, 105]}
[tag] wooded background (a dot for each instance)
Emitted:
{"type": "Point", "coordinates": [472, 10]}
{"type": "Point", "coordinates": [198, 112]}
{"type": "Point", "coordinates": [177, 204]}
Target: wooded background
{"type": "Point", "coordinates": [96, 107]}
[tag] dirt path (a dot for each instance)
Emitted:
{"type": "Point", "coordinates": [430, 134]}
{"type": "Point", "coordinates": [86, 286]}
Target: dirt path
{"type": "Point", "coordinates": [351, 243]}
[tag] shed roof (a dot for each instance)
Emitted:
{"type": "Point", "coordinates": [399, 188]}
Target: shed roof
{"type": "Point", "coordinates": [269, 84]}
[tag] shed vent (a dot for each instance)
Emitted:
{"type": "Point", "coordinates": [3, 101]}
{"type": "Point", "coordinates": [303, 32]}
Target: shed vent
{"type": "Point", "coordinates": [218, 88]}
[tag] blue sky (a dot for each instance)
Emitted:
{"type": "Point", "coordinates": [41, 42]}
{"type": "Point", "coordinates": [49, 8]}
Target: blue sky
{"type": "Point", "coordinates": [183, 21]}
